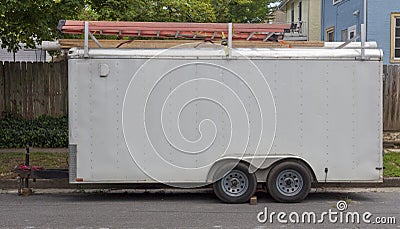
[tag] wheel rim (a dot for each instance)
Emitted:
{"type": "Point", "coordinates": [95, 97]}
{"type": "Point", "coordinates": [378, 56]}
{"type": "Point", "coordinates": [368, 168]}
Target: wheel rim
{"type": "Point", "coordinates": [235, 183]}
{"type": "Point", "coordinates": [289, 182]}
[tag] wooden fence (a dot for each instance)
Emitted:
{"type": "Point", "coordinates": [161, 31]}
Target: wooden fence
{"type": "Point", "coordinates": [391, 97]}
{"type": "Point", "coordinates": [34, 89]}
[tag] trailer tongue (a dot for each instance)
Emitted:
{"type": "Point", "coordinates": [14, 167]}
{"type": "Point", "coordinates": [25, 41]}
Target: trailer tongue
{"type": "Point", "coordinates": [26, 171]}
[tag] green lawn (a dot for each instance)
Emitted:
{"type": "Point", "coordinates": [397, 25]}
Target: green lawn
{"type": "Point", "coordinates": [49, 160]}
{"type": "Point", "coordinates": [8, 161]}
{"type": "Point", "coordinates": [391, 162]}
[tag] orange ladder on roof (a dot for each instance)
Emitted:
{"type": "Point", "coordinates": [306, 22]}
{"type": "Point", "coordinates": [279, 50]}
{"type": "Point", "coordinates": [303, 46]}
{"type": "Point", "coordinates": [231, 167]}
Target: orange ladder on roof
{"type": "Point", "coordinates": [204, 31]}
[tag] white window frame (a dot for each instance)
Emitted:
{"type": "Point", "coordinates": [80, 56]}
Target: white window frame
{"type": "Point", "coordinates": [393, 36]}
{"type": "Point", "coordinates": [350, 30]}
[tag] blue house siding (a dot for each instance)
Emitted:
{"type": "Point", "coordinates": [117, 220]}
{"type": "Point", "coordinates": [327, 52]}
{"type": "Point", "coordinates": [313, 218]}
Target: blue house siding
{"type": "Point", "coordinates": [341, 16]}
{"type": "Point", "coordinates": [328, 17]}
{"type": "Point", "coordinates": [378, 23]}
{"type": "Point", "coordinates": [378, 20]}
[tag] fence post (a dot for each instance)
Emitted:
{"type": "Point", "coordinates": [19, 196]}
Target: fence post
{"type": "Point", "coordinates": [385, 97]}
{"type": "Point", "coordinates": [396, 123]}
{"type": "Point", "coordinates": [2, 92]}
{"type": "Point", "coordinates": [64, 87]}
{"type": "Point", "coordinates": [23, 89]}
{"type": "Point", "coordinates": [29, 84]}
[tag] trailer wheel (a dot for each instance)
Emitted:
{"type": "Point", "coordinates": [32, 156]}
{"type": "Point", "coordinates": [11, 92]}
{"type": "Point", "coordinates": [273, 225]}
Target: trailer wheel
{"type": "Point", "coordinates": [289, 182]}
{"type": "Point", "coordinates": [237, 186]}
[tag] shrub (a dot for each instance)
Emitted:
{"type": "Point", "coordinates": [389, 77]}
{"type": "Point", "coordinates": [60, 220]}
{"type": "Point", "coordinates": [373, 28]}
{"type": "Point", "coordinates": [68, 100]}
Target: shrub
{"type": "Point", "coordinates": [44, 131]}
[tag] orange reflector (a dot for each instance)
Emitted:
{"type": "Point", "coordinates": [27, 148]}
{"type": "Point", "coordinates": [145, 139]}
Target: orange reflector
{"type": "Point", "coordinates": [79, 179]}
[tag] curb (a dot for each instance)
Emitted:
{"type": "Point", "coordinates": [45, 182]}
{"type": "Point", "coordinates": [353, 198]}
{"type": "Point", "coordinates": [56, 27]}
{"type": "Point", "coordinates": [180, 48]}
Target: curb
{"type": "Point", "coordinates": [392, 182]}
{"type": "Point", "coordinates": [388, 182]}
{"type": "Point", "coordinates": [64, 184]}
{"type": "Point", "coordinates": [42, 184]}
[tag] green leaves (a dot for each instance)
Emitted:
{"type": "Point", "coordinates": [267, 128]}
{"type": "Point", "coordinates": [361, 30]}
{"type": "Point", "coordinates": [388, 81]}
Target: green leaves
{"type": "Point", "coordinates": [242, 11]}
{"type": "Point", "coordinates": [44, 131]}
{"type": "Point", "coordinates": [245, 11]}
{"type": "Point", "coordinates": [31, 21]}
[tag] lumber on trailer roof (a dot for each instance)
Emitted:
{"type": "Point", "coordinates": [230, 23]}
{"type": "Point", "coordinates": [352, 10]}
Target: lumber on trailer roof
{"type": "Point", "coordinates": [162, 44]}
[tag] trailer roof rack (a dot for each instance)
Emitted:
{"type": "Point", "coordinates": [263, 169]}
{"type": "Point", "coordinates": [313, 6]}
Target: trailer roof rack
{"type": "Point", "coordinates": [226, 32]}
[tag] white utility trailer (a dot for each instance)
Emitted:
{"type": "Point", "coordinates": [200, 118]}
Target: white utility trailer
{"type": "Point", "coordinates": [234, 118]}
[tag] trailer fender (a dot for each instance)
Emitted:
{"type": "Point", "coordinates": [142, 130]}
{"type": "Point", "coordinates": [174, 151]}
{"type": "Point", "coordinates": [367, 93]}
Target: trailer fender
{"type": "Point", "coordinates": [220, 168]}
{"type": "Point", "coordinates": [223, 166]}
{"type": "Point", "coordinates": [262, 174]}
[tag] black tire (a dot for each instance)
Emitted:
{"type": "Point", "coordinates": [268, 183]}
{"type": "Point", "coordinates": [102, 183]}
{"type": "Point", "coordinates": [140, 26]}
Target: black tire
{"type": "Point", "coordinates": [289, 182]}
{"type": "Point", "coordinates": [237, 186]}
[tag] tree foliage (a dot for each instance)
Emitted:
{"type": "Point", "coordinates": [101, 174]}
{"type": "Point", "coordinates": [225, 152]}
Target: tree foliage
{"type": "Point", "coordinates": [31, 21]}
{"type": "Point", "coordinates": [241, 11]}
{"type": "Point", "coordinates": [154, 10]}
{"type": "Point", "coordinates": [245, 11]}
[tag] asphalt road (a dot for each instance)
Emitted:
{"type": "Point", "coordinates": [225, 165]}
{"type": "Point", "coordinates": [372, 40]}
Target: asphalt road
{"type": "Point", "coordinates": [119, 209]}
